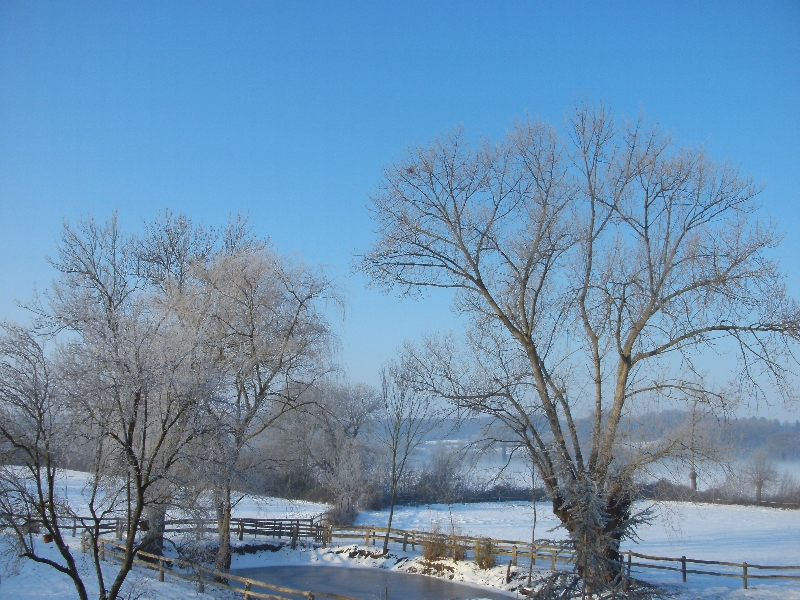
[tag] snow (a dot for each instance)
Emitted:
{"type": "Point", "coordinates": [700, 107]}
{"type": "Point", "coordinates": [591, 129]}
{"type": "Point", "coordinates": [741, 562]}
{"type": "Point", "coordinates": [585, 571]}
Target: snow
{"type": "Point", "coordinates": [760, 536]}
{"type": "Point", "coordinates": [757, 535]}
{"type": "Point", "coordinates": [72, 484]}
{"type": "Point", "coordinates": [713, 532]}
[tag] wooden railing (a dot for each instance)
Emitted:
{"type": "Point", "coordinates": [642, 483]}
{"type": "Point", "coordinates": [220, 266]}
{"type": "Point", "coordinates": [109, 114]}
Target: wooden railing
{"type": "Point", "coordinates": [547, 550]}
{"type": "Point", "coordinates": [542, 550]}
{"type": "Point", "coordinates": [743, 569]}
{"type": "Point", "coordinates": [278, 528]}
{"type": "Point", "coordinates": [203, 576]}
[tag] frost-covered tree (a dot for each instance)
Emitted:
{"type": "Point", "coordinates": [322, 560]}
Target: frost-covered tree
{"type": "Point", "coordinates": [759, 471]}
{"type": "Point", "coordinates": [34, 437]}
{"type": "Point", "coordinates": [131, 378]}
{"type": "Point", "coordinates": [270, 340]}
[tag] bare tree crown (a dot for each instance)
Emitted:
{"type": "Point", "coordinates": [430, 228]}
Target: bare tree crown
{"type": "Point", "coordinates": [596, 269]}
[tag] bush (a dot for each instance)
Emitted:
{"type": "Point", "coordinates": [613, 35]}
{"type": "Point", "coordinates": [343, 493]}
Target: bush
{"type": "Point", "coordinates": [435, 545]}
{"type": "Point", "coordinates": [485, 552]}
{"type": "Point", "coordinates": [457, 545]}
{"type": "Point", "coordinates": [340, 515]}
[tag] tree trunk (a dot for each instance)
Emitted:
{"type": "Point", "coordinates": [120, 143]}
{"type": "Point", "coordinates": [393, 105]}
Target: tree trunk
{"type": "Point", "coordinates": [153, 541]}
{"type": "Point", "coordinates": [597, 546]}
{"type": "Point", "coordinates": [391, 516]}
{"type": "Point", "coordinates": [223, 561]}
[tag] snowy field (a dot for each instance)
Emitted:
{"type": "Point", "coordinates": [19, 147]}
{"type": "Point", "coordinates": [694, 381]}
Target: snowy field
{"type": "Point", "coordinates": [710, 532]}
{"type": "Point", "coordinates": [72, 485]}
{"type": "Point", "coordinates": [727, 533]}
{"type": "Point", "coordinates": [763, 536]}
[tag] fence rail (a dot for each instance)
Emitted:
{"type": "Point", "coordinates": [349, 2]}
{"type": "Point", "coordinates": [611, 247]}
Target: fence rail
{"type": "Point", "coordinates": [744, 574]}
{"type": "Point", "coordinates": [212, 577]}
{"type": "Point", "coordinates": [372, 536]}
{"type": "Point", "coordinates": [543, 550]}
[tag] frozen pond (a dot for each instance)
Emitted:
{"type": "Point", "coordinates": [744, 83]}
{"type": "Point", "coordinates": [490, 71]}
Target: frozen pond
{"type": "Point", "coordinates": [368, 584]}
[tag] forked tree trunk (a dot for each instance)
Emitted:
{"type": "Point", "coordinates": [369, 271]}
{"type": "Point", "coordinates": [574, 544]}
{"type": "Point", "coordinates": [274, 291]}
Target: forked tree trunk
{"type": "Point", "coordinates": [598, 559]}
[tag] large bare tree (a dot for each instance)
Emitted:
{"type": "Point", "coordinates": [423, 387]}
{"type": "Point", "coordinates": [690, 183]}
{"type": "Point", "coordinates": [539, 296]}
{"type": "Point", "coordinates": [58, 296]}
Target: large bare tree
{"type": "Point", "coordinates": [599, 271]}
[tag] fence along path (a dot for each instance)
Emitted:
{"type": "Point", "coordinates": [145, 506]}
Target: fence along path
{"type": "Point", "coordinates": [543, 550]}
{"type": "Point", "coordinates": [213, 578]}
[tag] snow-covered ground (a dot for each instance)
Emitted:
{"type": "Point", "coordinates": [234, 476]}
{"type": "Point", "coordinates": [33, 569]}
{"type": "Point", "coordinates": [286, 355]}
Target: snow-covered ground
{"type": "Point", "coordinates": [72, 485]}
{"type": "Point", "coordinates": [727, 533]}
{"type": "Point", "coordinates": [711, 532]}
{"type": "Point", "coordinates": [762, 536]}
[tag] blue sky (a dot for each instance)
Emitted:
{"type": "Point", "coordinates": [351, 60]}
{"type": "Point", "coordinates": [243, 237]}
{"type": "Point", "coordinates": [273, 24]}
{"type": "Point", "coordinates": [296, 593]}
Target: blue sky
{"type": "Point", "coordinates": [289, 111]}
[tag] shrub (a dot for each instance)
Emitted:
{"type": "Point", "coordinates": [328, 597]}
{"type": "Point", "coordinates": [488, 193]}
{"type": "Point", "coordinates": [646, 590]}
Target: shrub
{"type": "Point", "coordinates": [435, 545]}
{"type": "Point", "coordinates": [457, 545]}
{"type": "Point", "coordinates": [484, 553]}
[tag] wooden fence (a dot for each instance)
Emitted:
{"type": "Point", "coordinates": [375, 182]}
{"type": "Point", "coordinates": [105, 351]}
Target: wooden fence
{"type": "Point", "coordinates": [742, 570]}
{"type": "Point", "coordinates": [203, 576]}
{"type": "Point", "coordinates": [293, 529]}
{"type": "Point", "coordinates": [541, 550]}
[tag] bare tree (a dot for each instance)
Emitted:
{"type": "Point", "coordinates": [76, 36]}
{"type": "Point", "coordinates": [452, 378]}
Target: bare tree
{"type": "Point", "coordinates": [132, 374]}
{"type": "Point", "coordinates": [336, 434]}
{"type": "Point", "coordinates": [409, 416]}
{"type": "Point", "coordinates": [603, 267]}
{"type": "Point", "coordinates": [759, 471]}
{"type": "Point", "coordinates": [270, 340]}
{"type": "Point", "coordinates": [33, 438]}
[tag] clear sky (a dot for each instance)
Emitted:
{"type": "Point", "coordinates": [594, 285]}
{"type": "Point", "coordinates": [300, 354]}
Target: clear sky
{"type": "Point", "coordinates": [289, 110]}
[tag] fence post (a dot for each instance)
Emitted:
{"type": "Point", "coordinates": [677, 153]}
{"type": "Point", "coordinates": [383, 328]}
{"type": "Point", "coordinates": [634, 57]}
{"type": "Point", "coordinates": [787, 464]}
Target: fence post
{"type": "Point", "coordinates": [514, 555]}
{"type": "Point", "coordinates": [413, 540]}
{"type": "Point", "coordinates": [83, 541]}
{"type": "Point", "coordinates": [201, 585]}
{"type": "Point", "coordinates": [161, 569]}
{"type": "Point", "coordinates": [102, 549]}
{"type": "Point", "coordinates": [295, 535]}
{"type": "Point", "coordinates": [683, 568]}
{"type": "Point", "coordinates": [405, 541]}
{"type": "Point", "coordinates": [744, 574]}
{"type": "Point", "coordinates": [241, 530]}
{"type": "Point", "coordinates": [553, 564]}
{"type": "Point", "coordinates": [74, 526]}
{"type": "Point", "coordinates": [247, 591]}
{"type": "Point", "coordinates": [366, 537]}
